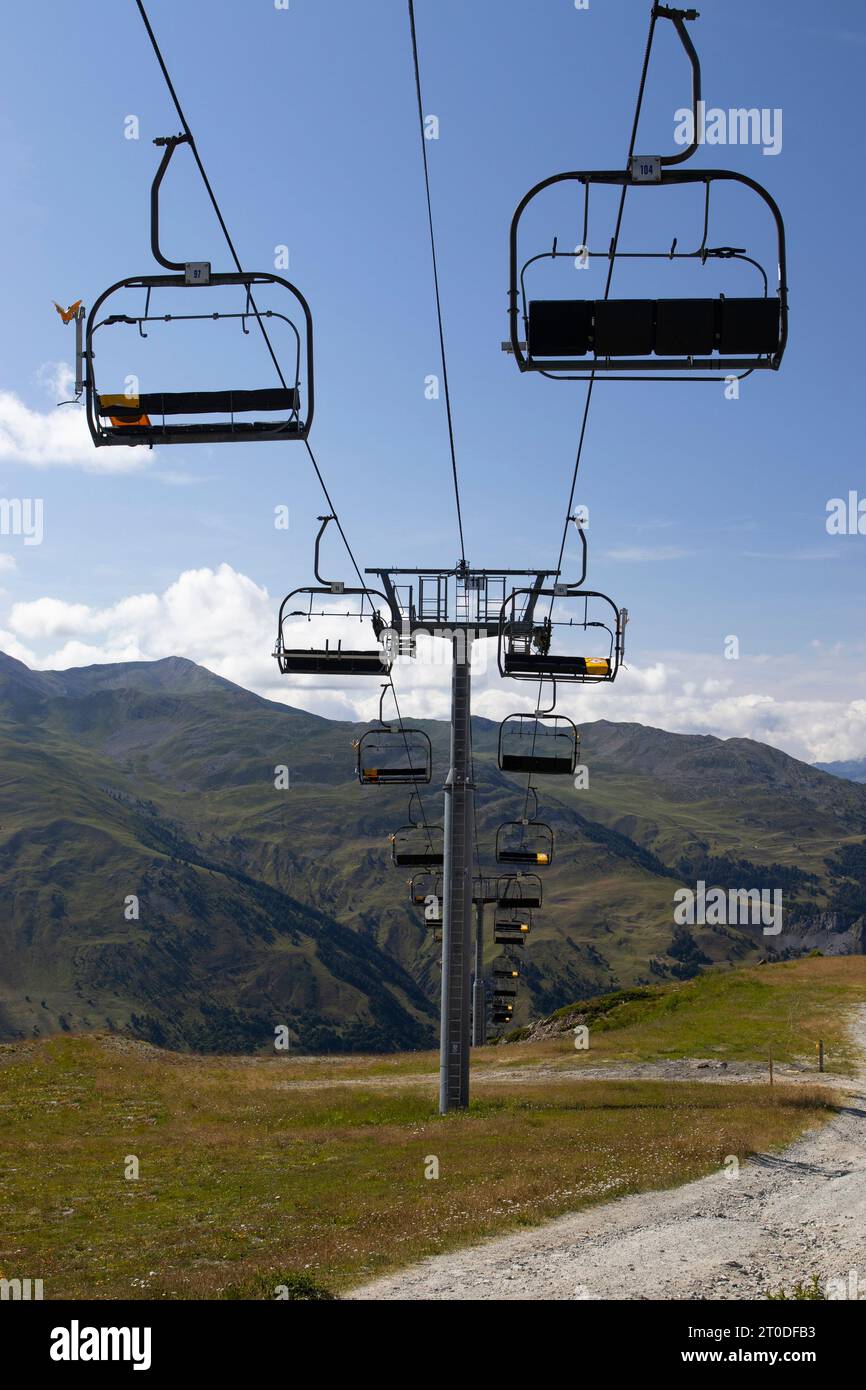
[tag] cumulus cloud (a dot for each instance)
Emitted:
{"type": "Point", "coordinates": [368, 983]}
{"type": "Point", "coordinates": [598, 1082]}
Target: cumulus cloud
{"type": "Point", "coordinates": [57, 437]}
{"type": "Point", "coordinates": [226, 622]}
{"type": "Point", "coordinates": [57, 380]}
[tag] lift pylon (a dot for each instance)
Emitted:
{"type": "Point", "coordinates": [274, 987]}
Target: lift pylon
{"type": "Point", "coordinates": [461, 606]}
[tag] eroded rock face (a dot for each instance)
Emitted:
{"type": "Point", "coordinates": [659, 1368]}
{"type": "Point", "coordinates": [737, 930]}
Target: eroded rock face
{"type": "Point", "coordinates": [832, 933]}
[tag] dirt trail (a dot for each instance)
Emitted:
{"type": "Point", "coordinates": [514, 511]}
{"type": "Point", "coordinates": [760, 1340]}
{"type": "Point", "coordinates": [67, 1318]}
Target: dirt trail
{"type": "Point", "coordinates": [783, 1219]}
{"type": "Point", "coordinates": [683, 1069]}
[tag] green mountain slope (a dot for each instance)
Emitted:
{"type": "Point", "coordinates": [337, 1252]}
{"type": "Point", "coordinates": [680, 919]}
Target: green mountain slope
{"type": "Point", "coordinates": [261, 906]}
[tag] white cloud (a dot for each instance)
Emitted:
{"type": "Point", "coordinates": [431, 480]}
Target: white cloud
{"type": "Point", "coordinates": [7, 563]}
{"type": "Point", "coordinates": [57, 437]}
{"type": "Point", "coordinates": [57, 380]}
{"type": "Point", "coordinates": [226, 622]}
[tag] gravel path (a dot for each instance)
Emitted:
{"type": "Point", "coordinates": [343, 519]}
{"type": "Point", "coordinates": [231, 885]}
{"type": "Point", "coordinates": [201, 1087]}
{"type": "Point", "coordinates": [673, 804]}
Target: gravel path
{"type": "Point", "coordinates": [783, 1219]}
{"type": "Point", "coordinates": [683, 1069]}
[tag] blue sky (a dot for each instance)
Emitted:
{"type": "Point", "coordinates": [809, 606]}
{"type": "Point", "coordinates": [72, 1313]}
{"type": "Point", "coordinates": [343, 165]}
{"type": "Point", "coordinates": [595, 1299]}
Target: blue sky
{"type": "Point", "coordinates": [707, 515]}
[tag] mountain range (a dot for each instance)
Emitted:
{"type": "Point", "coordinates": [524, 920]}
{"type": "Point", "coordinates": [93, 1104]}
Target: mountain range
{"type": "Point", "coordinates": [155, 880]}
{"type": "Point", "coordinates": [852, 768]}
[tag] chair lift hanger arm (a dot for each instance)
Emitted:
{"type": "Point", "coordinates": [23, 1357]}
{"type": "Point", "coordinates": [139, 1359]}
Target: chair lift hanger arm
{"type": "Point", "coordinates": [679, 18]}
{"type": "Point", "coordinates": [171, 143]}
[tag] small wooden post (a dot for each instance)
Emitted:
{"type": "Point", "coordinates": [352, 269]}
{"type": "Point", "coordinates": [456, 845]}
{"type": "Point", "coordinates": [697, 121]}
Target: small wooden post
{"type": "Point", "coordinates": [771, 1068]}
{"type": "Point", "coordinates": [820, 1046]}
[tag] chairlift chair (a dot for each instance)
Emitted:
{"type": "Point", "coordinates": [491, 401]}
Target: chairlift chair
{"type": "Point", "coordinates": [483, 890]}
{"type": "Point", "coordinates": [511, 927]}
{"type": "Point", "coordinates": [538, 743]}
{"type": "Point", "coordinates": [418, 845]}
{"type": "Point", "coordinates": [522, 890]}
{"type": "Point", "coordinates": [505, 970]}
{"type": "Point", "coordinates": [393, 755]}
{"type": "Point", "coordinates": [426, 891]}
{"type": "Point", "coordinates": [193, 416]}
{"type": "Point", "coordinates": [525, 841]}
{"type": "Point", "coordinates": [334, 660]}
{"type": "Point", "coordinates": [501, 1015]}
{"type": "Point", "coordinates": [648, 339]}
{"type": "Point", "coordinates": [529, 646]}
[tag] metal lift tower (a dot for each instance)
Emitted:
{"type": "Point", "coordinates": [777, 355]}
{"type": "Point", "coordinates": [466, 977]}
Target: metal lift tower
{"type": "Point", "coordinates": [462, 606]}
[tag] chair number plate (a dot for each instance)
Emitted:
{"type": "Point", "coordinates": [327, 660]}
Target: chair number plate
{"type": "Point", "coordinates": [197, 273]}
{"type": "Point", "coordinates": [646, 168]}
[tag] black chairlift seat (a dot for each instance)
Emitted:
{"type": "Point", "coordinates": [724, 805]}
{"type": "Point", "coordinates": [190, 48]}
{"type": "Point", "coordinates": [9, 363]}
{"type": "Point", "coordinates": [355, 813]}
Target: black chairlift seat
{"type": "Point", "coordinates": [588, 668]}
{"type": "Point", "coordinates": [376, 776]}
{"type": "Point", "coordinates": [521, 855]}
{"type": "Point", "coordinates": [331, 661]}
{"type": "Point", "coordinates": [131, 418]}
{"type": "Point", "coordinates": [501, 1015]}
{"type": "Point", "coordinates": [505, 969]}
{"type": "Point", "coordinates": [546, 744]}
{"type": "Point", "coordinates": [666, 328]}
{"type": "Point", "coordinates": [642, 339]}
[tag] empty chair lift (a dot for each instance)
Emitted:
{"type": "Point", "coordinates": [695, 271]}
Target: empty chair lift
{"type": "Point", "coordinates": [519, 890]}
{"type": "Point", "coordinates": [650, 337]}
{"type": "Point", "coordinates": [510, 927]}
{"type": "Point", "coordinates": [418, 846]}
{"type": "Point", "coordinates": [525, 842]}
{"type": "Point", "coordinates": [546, 744]}
{"type": "Point", "coordinates": [334, 660]}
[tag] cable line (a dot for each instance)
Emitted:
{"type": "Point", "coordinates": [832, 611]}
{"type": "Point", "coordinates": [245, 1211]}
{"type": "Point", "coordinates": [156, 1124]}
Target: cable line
{"type": "Point", "coordinates": [417, 67]}
{"type": "Point", "coordinates": [225, 231]}
{"type": "Point", "coordinates": [612, 254]}
{"type": "Point", "coordinates": [205, 180]}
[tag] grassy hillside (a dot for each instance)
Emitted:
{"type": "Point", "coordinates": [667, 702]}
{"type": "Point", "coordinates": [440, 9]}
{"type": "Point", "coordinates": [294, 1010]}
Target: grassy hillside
{"type": "Point", "coordinates": [748, 1014]}
{"type": "Point", "coordinates": [261, 906]}
{"type": "Point", "coordinates": [255, 1173]}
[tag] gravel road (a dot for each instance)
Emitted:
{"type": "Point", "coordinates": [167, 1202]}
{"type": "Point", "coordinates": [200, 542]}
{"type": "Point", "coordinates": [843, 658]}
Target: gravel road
{"type": "Point", "coordinates": [783, 1219]}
